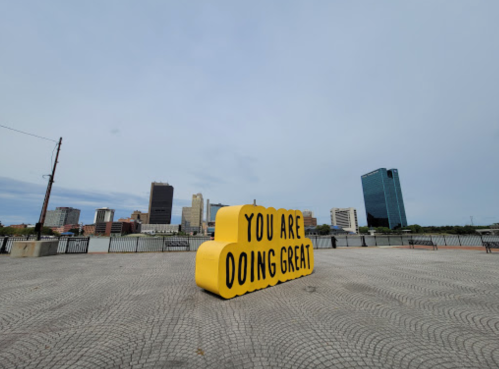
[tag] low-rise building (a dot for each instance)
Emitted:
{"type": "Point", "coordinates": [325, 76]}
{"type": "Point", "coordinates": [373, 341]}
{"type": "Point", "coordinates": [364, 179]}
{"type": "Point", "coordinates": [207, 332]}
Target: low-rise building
{"type": "Point", "coordinates": [65, 228]}
{"type": "Point", "coordinates": [308, 218]}
{"type": "Point", "coordinates": [140, 216]}
{"type": "Point", "coordinates": [116, 228]}
{"type": "Point", "coordinates": [89, 229]}
{"type": "Point", "coordinates": [19, 226]}
{"type": "Point", "coordinates": [310, 221]}
{"type": "Point", "coordinates": [160, 228]}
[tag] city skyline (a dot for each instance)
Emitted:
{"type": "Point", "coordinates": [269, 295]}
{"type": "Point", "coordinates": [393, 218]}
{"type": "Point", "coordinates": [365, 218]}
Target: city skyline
{"type": "Point", "coordinates": [26, 210]}
{"type": "Point", "coordinates": [232, 101]}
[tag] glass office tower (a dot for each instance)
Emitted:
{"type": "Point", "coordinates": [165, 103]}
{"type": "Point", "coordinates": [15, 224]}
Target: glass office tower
{"type": "Point", "coordinates": [214, 208]}
{"type": "Point", "coordinates": [383, 199]}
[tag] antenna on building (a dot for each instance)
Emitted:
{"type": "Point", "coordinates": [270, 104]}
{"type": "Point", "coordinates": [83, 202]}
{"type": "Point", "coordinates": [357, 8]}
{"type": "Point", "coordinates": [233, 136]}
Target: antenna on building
{"type": "Point", "coordinates": [254, 202]}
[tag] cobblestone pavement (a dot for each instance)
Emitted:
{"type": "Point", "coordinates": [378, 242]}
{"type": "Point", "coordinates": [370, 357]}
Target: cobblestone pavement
{"type": "Point", "coordinates": [361, 308]}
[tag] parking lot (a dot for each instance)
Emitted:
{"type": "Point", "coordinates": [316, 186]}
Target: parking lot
{"type": "Point", "coordinates": [362, 307]}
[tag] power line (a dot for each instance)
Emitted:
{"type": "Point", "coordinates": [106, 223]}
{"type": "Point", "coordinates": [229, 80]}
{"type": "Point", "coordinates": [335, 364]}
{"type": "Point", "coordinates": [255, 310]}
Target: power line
{"type": "Point", "coordinates": [29, 134]}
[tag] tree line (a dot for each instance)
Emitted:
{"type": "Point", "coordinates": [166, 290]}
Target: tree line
{"type": "Point", "coordinates": [325, 229]}
{"type": "Point", "coordinates": [416, 228]}
{"type": "Point", "coordinates": [11, 231]}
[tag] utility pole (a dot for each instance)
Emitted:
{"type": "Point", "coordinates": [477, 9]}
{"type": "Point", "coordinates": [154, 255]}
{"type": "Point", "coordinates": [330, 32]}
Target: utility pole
{"type": "Point", "coordinates": [39, 225]}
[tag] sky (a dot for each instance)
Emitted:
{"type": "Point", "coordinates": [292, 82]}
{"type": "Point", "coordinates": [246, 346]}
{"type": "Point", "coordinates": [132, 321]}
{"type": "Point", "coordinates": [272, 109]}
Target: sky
{"type": "Point", "coordinates": [285, 102]}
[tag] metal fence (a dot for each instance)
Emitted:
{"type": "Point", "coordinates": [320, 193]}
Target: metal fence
{"type": "Point", "coordinates": [78, 245]}
{"type": "Point", "coordinates": [324, 242]}
{"type": "Point", "coordinates": [155, 244]}
{"type": "Point", "coordinates": [67, 245]}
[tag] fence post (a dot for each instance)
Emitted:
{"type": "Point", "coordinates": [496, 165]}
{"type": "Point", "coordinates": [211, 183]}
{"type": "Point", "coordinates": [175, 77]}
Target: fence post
{"type": "Point", "coordinates": [67, 245]}
{"type": "Point", "coordinates": [481, 239]}
{"type": "Point", "coordinates": [137, 247]}
{"type": "Point", "coordinates": [3, 249]}
{"type": "Point", "coordinates": [445, 241]}
{"type": "Point", "coordinates": [389, 244]}
{"type": "Point", "coordinates": [459, 239]}
{"type": "Point", "coordinates": [375, 241]}
{"type": "Point", "coordinates": [163, 245]}
{"type": "Point", "coordinates": [431, 239]}
{"type": "Point", "coordinates": [346, 239]}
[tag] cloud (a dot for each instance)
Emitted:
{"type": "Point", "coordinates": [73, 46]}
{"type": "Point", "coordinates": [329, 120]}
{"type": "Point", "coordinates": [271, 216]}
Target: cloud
{"type": "Point", "coordinates": [289, 108]}
{"type": "Point", "coordinates": [21, 202]}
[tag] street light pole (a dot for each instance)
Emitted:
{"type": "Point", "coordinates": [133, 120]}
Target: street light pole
{"type": "Point", "coordinates": [39, 225]}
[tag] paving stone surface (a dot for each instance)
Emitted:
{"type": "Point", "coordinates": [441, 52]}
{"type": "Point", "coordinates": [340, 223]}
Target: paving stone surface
{"type": "Point", "coordinates": [361, 308]}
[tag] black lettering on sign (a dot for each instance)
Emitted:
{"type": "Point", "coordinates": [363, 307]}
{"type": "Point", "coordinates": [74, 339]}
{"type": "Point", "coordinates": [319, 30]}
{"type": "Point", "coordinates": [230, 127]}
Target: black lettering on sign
{"type": "Point", "coordinates": [252, 266]}
{"type": "Point", "coordinates": [270, 226]}
{"type": "Point", "coordinates": [291, 227]}
{"type": "Point", "coordinates": [272, 267]}
{"type": "Point", "coordinates": [259, 227]}
{"type": "Point", "coordinates": [308, 256]}
{"type": "Point", "coordinates": [228, 280]}
{"type": "Point", "coordinates": [283, 227]}
{"type": "Point", "coordinates": [298, 227]}
{"type": "Point", "coordinates": [241, 275]}
{"type": "Point", "coordinates": [297, 257]}
{"type": "Point", "coordinates": [261, 264]}
{"type": "Point", "coordinates": [249, 225]}
{"type": "Point", "coordinates": [290, 259]}
{"type": "Point", "coordinates": [284, 266]}
{"type": "Point", "coordinates": [302, 257]}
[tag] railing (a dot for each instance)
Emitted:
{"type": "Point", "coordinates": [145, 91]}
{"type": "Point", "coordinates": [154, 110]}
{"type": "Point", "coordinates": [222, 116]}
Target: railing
{"type": "Point", "coordinates": [73, 245]}
{"type": "Point", "coordinates": [155, 244]}
{"type": "Point", "coordinates": [67, 245]}
{"type": "Point", "coordinates": [321, 242]}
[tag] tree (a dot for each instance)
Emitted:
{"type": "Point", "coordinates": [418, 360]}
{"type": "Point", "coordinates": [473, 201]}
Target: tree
{"type": "Point", "coordinates": [324, 229]}
{"type": "Point", "coordinates": [415, 228]}
{"type": "Point", "coordinates": [364, 230]}
{"type": "Point", "coordinates": [76, 231]}
{"type": "Point", "coordinates": [384, 230]}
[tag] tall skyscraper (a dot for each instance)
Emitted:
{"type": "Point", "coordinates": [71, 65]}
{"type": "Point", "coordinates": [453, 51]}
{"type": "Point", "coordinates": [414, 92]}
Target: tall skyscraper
{"type": "Point", "coordinates": [62, 216]}
{"type": "Point", "coordinates": [345, 218]}
{"type": "Point", "coordinates": [383, 199]}
{"type": "Point", "coordinates": [186, 219]}
{"type": "Point", "coordinates": [103, 215]}
{"type": "Point", "coordinates": [197, 210]}
{"type": "Point", "coordinates": [160, 203]}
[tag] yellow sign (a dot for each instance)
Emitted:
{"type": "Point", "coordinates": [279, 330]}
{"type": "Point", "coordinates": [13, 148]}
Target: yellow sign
{"type": "Point", "coordinates": [254, 248]}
